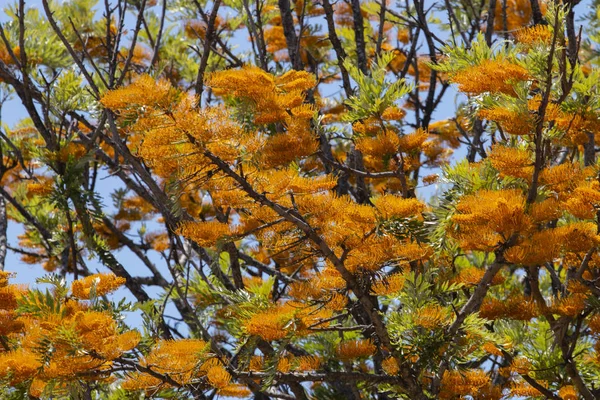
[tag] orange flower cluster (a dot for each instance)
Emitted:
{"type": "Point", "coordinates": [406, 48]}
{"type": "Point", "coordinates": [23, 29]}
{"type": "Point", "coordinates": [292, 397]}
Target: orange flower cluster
{"type": "Point", "coordinates": [290, 318]}
{"type": "Point", "coordinates": [197, 29]}
{"type": "Point", "coordinates": [546, 245]}
{"type": "Point", "coordinates": [184, 361]}
{"type": "Point", "coordinates": [390, 206]}
{"type": "Point", "coordinates": [510, 161]}
{"type": "Point", "coordinates": [277, 44]}
{"type": "Point", "coordinates": [489, 217]}
{"type": "Point", "coordinates": [471, 276]}
{"type": "Point", "coordinates": [101, 284]}
{"type": "Point", "coordinates": [515, 121]}
{"type": "Point", "coordinates": [594, 323]}
{"type": "Point", "coordinates": [60, 343]}
{"type": "Point", "coordinates": [272, 97]}
{"type": "Point", "coordinates": [449, 130]}
{"type": "Point", "coordinates": [390, 366]}
{"type": "Point", "coordinates": [533, 35]}
{"type": "Point", "coordinates": [287, 363]}
{"type": "Point", "coordinates": [570, 306]}
{"type": "Point", "coordinates": [204, 233]}
{"type": "Point", "coordinates": [524, 389]}
{"type": "Point", "coordinates": [351, 349]}
{"type": "Point", "coordinates": [145, 91]}
{"type": "Point", "coordinates": [380, 146]}
{"type": "Point", "coordinates": [491, 76]}
{"type": "Point", "coordinates": [518, 14]}
{"type": "Point", "coordinates": [574, 126]}
{"type": "Point", "coordinates": [568, 392]}
{"type": "Point", "coordinates": [390, 285]}
{"type": "Point", "coordinates": [474, 383]}
{"type": "Point", "coordinates": [515, 306]}
{"type": "Point", "coordinates": [432, 316]}
{"type": "Point", "coordinates": [9, 294]}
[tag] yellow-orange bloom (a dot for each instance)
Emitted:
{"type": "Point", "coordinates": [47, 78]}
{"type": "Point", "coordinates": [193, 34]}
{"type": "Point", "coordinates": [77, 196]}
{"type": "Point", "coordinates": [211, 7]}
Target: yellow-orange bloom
{"type": "Point", "coordinates": [390, 366]}
{"type": "Point", "coordinates": [392, 284]}
{"type": "Point", "coordinates": [102, 284]}
{"type": "Point", "coordinates": [488, 217]}
{"type": "Point", "coordinates": [268, 325]}
{"type": "Point", "coordinates": [234, 390]}
{"type": "Point", "coordinates": [594, 323]}
{"type": "Point", "coordinates": [177, 358]}
{"type": "Point", "coordinates": [205, 234]}
{"type": "Point", "coordinates": [308, 363]}
{"type": "Point", "coordinates": [568, 393]}
{"type": "Point", "coordinates": [510, 161]}
{"type": "Point", "coordinates": [523, 389]}
{"type": "Point", "coordinates": [532, 35]}
{"type": "Point", "coordinates": [391, 206]}
{"type": "Point", "coordinates": [571, 305]}
{"type": "Point", "coordinates": [351, 349]}
{"type": "Point", "coordinates": [9, 296]}
{"type": "Point", "coordinates": [463, 383]}
{"type": "Point", "coordinates": [413, 141]}
{"type": "Point", "coordinates": [431, 317]}
{"type": "Point", "coordinates": [4, 276]}
{"type": "Point", "coordinates": [145, 91]}
{"type": "Point", "coordinates": [514, 121]}
{"type": "Point", "coordinates": [494, 76]}
{"type": "Point", "coordinates": [19, 365]}
{"type": "Point", "coordinates": [218, 377]}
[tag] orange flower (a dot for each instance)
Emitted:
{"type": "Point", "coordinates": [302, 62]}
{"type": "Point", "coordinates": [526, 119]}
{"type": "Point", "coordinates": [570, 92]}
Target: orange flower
{"type": "Point", "coordinates": [234, 390]}
{"type": "Point", "coordinates": [463, 383]}
{"type": "Point", "coordinates": [494, 76]}
{"type": "Point", "coordinates": [218, 377]}
{"type": "Point", "coordinates": [4, 276]}
{"type": "Point", "coordinates": [537, 34]}
{"type": "Point", "coordinates": [397, 207]}
{"type": "Point", "coordinates": [102, 284]}
{"type": "Point", "coordinates": [352, 349]}
{"type": "Point", "coordinates": [205, 234]}
{"type": "Point", "coordinates": [432, 317]}
{"type": "Point", "coordinates": [514, 121]}
{"type": "Point", "coordinates": [568, 393]}
{"type": "Point", "coordinates": [308, 363]}
{"type": "Point", "coordinates": [392, 284]}
{"type": "Point", "coordinates": [390, 366]}
{"type": "Point", "coordinates": [19, 365]}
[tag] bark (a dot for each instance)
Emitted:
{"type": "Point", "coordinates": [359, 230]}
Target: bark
{"type": "Point", "coordinates": [3, 233]}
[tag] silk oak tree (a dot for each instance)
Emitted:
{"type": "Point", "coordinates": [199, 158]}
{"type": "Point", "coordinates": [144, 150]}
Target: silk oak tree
{"type": "Point", "coordinates": [291, 203]}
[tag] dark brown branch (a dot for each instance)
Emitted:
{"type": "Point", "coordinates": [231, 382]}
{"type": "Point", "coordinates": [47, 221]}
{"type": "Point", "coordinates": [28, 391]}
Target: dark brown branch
{"type": "Point", "coordinates": [156, 48]}
{"type": "Point", "coordinates": [27, 215]}
{"type": "Point", "coordinates": [3, 231]}
{"type": "Point", "coordinates": [337, 47]}
{"type": "Point", "coordinates": [289, 31]}
{"type": "Point", "coordinates": [330, 376]}
{"type": "Point", "coordinates": [538, 17]}
{"type": "Point", "coordinates": [491, 18]}
{"type": "Point", "coordinates": [380, 32]}
{"type": "Point", "coordinates": [543, 390]}
{"type": "Point", "coordinates": [136, 31]}
{"type": "Point", "coordinates": [539, 151]}
{"type": "Point", "coordinates": [359, 36]}
{"type": "Point", "coordinates": [157, 277]}
{"type": "Point", "coordinates": [208, 41]}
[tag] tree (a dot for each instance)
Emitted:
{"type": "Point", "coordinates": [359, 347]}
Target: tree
{"type": "Point", "coordinates": [266, 163]}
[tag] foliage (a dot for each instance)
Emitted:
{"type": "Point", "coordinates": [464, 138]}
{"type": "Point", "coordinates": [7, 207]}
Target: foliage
{"type": "Point", "coordinates": [254, 181]}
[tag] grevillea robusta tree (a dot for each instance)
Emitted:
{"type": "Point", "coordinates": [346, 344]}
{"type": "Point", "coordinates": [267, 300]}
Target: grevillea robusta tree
{"type": "Point", "coordinates": [300, 200]}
